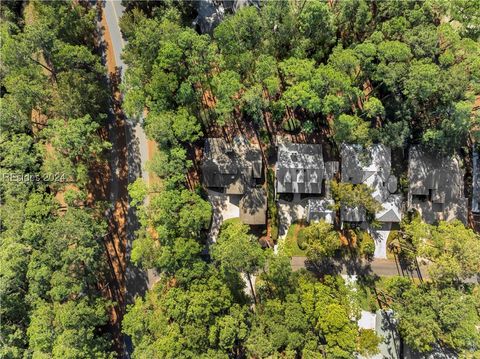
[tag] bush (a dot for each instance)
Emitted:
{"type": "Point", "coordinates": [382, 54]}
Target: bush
{"type": "Point", "coordinates": [392, 237]}
{"type": "Point", "coordinates": [367, 245]}
{"type": "Point", "coordinates": [278, 110]}
{"type": "Point", "coordinates": [291, 125]}
{"type": "Point", "coordinates": [272, 205]}
{"type": "Point", "coordinates": [308, 127]}
{"type": "Point", "coordinates": [301, 241]}
{"type": "Point", "coordinates": [273, 232]}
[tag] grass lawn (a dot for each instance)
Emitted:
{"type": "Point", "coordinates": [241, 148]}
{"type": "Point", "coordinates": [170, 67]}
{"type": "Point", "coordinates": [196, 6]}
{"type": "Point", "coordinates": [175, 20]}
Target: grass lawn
{"type": "Point", "coordinates": [291, 245]}
{"type": "Point", "coordinates": [391, 237]}
{"type": "Point", "coordinates": [231, 220]}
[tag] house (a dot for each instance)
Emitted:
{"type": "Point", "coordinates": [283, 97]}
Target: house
{"type": "Point", "coordinates": [300, 168]}
{"type": "Point", "coordinates": [234, 170]}
{"type": "Point", "coordinates": [371, 166]}
{"type": "Point", "coordinates": [320, 209]}
{"type": "Point", "coordinates": [253, 206]}
{"type": "Point", "coordinates": [436, 187]}
{"type": "Point", "coordinates": [231, 168]}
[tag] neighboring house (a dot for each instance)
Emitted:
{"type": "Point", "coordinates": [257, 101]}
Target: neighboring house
{"type": "Point", "coordinates": [320, 209]}
{"type": "Point", "coordinates": [371, 166]}
{"type": "Point", "coordinates": [253, 206]}
{"type": "Point", "coordinates": [436, 187]}
{"type": "Point", "coordinates": [476, 183]}
{"type": "Point", "coordinates": [300, 168]}
{"type": "Point", "coordinates": [235, 169]}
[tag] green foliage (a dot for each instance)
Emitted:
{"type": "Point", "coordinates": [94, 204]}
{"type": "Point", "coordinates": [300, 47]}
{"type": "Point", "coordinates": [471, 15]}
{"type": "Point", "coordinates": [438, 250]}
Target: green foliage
{"type": "Point", "coordinates": [137, 191]}
{"type": "Point", "coordinates": [171, 166]}
{"type": "Point", "coordinates": [172, 128]}
{"type": "Point", "coordinates": [393, 134]}
{"type": "Point", "coordinates": [75, 144]}
{"type": "Point", "coordinates": [187, 321]}
{"type": "Point", "coordinates": [291, 125]}
{"type": "Point", "coordinates": [368, 342]}
{"type": "Point", "coordinates": [367, 244]}
{"type": "Point", "coordinates": [301, 240]}
{"type": "Point", "coordinates": [314, 317]}
{"type": "Point", "coordinates": [294, 243]}
{"type": "Point", "coordinates": [253, 103]}
{"type": "Point", "coordinates": [352, 196]}
{"type": "Point", "coordinates": [308, 127]}
{"type": "Point", "coordinates": [226, 85]}
{"type": "Point", "coordinates": [52, 105]}
{"type": "Point", "coordinates": [322, 240]}
{"type": "Point", "coordinates": [453, 249]}
{"type": "Point", "coordinates": [237, 250]}
{"type": "Point", "coordinates": [373, 108]}
{"type": "Point", "coordinates": [179, 213]}
{"type": "Point", "coordinates": [272, 205]}
{"type": "Point", "coordinates": [428, 316]}
{"type": "Point", "coordinates": [351, 129]}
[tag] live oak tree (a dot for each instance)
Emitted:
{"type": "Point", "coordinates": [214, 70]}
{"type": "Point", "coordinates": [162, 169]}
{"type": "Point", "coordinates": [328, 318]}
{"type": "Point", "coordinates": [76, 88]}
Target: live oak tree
{"type": "Point", "coordinates": [430, 316]}
{"type": "Point", "coordinates": [238, 251]}
{"type": "Point", "coordinates": [197, 319]}
{"type": "Point", "coordinates": [321, 239]}
{"type": "Point", "coordinates": [351, 129]}
{"type": "Point", "coordinates": [353, 196]}
{"type": "Point", "coordinates": [50, 72]}
{"type": "Point", "coordinates": [452, 249]}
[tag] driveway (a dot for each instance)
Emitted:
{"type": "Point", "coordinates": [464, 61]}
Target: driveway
{"type": "Point", "coordinates": [289, 212]}
{"type": "Point", "coordinates": [224, 207]}
{"type": "Point", "coordinates": [380, 237]}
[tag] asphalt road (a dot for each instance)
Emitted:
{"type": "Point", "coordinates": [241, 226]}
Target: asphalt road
{"type": "Point", "coordinates": [137, 155]}
{"type": "Point", "coordinates": [380, 267]}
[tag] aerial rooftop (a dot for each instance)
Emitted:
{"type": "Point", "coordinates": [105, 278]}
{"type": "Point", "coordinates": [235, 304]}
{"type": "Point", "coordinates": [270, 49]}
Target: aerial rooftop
{"type": "Point", "coordinates": [436, 188]}
{"type": "Point", "coordinates": [231, 166]}
{"type": "Point", "coordinates": [371, 166]}
{"type": "Point", "coordinates": [300, 168]}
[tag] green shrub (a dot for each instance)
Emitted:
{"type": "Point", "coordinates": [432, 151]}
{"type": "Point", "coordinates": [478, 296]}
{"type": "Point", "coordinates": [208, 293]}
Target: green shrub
{"type": "Point", "coordinates": [392, 237]}
{"type": "Point", "coordinates": [272, 205]}
{"type": "Point", "coordinates": [367, 245]}
{"type": "Point", "coordinates": [278, 110]}
{"type": "Point", "coordinates": [273, 232]}
{"type": "Point", "coordinates": [301, 241]}
{"type": "Point", "coordinates": [291, 125]}
{"type": "Point", "coordinates": [308, 127]}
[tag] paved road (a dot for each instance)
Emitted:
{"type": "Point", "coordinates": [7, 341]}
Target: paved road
{"type": "Point", "coordinates": [380, 267]}
{"type": "Point", "coordinates": [137, 153]}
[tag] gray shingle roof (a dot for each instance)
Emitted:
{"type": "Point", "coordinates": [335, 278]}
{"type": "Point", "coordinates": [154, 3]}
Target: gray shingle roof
{"type": "Point", "coordinates": [436, 185]}
{"type": "Point", "coordinates": [300, 168]}
{"type": "Point", "coordinates": [371, 166]}
{"type": "Point", "coordinates": [253, 206]}
{"type": "Point", "coordinates": [357, 214]}
{"type": "Point", "coordinates": [230, 166]}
